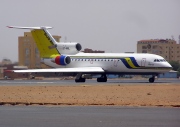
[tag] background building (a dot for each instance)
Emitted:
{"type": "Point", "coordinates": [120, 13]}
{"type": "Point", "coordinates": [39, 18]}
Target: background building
{"type": "Point", "coordinates": [168, 48]}
{"type": "Point", "coordinates": [5, 62]}
{"type": "Point", "coordinates": [87, 50]}
{"type": "Point", "coordinates": [28, 52]}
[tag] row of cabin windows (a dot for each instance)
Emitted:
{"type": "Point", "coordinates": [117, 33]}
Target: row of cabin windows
{"type": "Point", "coordinates": [93, 60]}
{"type": "Point", "coordinates": [159, 60]}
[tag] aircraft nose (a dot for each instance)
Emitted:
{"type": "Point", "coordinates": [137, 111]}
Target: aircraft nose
{"type": "Point", "coordinates": [168, 65]}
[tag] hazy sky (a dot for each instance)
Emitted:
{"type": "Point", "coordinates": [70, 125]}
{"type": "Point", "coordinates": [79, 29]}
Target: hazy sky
{"type": "Point", "coordinates": [110, 25]}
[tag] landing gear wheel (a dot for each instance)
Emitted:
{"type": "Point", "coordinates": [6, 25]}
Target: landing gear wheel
{"type": "Point", "coordinates": [151, 80]}
{"type": "Point", "coordinates": [103, 78]}
{"type": "Point", "coordinates": [80, 80]}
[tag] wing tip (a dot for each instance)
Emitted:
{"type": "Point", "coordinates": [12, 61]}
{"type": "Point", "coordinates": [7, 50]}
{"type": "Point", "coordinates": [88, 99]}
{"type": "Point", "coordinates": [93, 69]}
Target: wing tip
{"type": "Point", "coordinates": [8, 71]}
{"type": "Point", "coordinates": [9, 26]}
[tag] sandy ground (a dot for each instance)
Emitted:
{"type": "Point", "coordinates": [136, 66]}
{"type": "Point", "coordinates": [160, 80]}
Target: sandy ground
{"type": "Point", "coordinates": [122, 95]}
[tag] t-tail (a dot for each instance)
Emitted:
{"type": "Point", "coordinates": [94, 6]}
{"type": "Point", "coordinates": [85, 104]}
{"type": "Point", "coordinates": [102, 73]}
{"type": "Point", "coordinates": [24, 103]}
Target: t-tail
{"type": "Point", "coordinates": [46, 44]}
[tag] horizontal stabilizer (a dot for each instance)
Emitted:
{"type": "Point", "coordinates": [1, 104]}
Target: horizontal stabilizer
{"type": "Point", "coordinates": [36, 28]}
{"type": "Point", "coordinates": [78, 69]}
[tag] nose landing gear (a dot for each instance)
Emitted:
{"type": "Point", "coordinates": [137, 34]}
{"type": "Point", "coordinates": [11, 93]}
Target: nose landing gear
{"type": "Point", "coordinates": [152, 79]}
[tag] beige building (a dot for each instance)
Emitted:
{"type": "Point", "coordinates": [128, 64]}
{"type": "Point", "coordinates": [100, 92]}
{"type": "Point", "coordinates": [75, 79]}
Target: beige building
{"type": "Point", "coordinates": [168, 48]}
{"type": "Point", "coordinates": [87, 50]}
{"type": "Point", "coordinates": [28, 54]}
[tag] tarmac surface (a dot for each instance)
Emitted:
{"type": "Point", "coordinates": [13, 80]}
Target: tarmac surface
{"type": "Point", "coordinates": [88, 116]}
{"type": "Point", "coordinates": [89, 81]}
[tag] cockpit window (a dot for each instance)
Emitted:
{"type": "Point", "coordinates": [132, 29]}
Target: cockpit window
{"type": "Point", "coordinates": [159, 60]}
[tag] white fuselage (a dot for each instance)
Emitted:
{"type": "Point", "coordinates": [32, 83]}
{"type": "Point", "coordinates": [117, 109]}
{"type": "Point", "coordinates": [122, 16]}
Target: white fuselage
{"type": "Point", "coordinates": [117, 62]}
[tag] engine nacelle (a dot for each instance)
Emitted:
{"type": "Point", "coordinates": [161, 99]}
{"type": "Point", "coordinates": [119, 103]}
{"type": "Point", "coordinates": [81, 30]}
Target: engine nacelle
{"type": "Point", "coordinates": [69, 48]}
{"type": "Point", "coordinates": [62, 60]}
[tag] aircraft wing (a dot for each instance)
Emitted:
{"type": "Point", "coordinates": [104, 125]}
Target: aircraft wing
{"type": "Point", "coordinates": [78, 69]}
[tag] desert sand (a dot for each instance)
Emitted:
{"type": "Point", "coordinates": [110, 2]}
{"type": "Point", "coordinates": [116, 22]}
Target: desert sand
{"type": "Point", "coordinates": [121, 95]}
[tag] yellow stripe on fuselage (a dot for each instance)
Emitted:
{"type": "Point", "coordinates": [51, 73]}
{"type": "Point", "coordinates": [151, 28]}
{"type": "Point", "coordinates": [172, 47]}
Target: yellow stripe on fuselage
{"type": "Point", "coordinates": [43, 42]}
{"type": "Point", "coordinates": [128, 60]}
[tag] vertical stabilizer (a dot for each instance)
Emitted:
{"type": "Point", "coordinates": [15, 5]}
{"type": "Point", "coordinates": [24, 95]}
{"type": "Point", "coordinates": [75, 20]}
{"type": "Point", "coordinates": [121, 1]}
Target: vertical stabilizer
{"type": "Point", "coordinates": [43, 40]}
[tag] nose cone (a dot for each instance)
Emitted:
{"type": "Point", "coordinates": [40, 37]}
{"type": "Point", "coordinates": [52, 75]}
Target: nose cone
{"type": "Point", "coordinates": [168, 66]}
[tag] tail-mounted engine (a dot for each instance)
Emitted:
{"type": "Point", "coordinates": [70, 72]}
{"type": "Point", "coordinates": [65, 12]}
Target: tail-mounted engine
{"type": "Point", "coordinates": [69, 48]}
{"type": "Point", "coordinates": [62, 60]}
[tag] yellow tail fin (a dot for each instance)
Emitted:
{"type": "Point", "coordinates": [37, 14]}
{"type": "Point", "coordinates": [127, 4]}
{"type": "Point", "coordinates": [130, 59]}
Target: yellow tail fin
{"type": "Point", "coordinates": [43, 39]}
{"type": "Point", "coordinates": [44, 43]}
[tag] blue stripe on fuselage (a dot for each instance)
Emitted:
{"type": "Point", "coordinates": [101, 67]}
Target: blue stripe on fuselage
{"type": "Point", "coordinates": [125, 63]}
{"type": "Point", "coordinates": [134, 61]}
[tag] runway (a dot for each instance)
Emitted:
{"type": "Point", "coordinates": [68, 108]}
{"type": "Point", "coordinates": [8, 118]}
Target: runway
{"type": "Point", "coordinates": [88, 116]}
{"type": "Point", "coordinates": [89, 81]}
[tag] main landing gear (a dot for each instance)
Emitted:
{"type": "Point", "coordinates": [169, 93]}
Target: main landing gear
{"type": "Point", "coordinates": [152, 79]}
{"type": "Point", "coordinates": [103, 78]}
{"type": "Point", "coordinates": [79, 78]}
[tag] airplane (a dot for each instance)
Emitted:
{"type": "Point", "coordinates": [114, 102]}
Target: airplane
{"type": "Point", "coordinates": [67, 58]}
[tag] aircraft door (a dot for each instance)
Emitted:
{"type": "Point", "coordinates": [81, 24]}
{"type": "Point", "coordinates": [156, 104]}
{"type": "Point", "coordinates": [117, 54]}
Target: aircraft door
{"type": "Point", "coordinates": [115, 62]}
{"type": "Point", "coordinates": [143, 62]}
